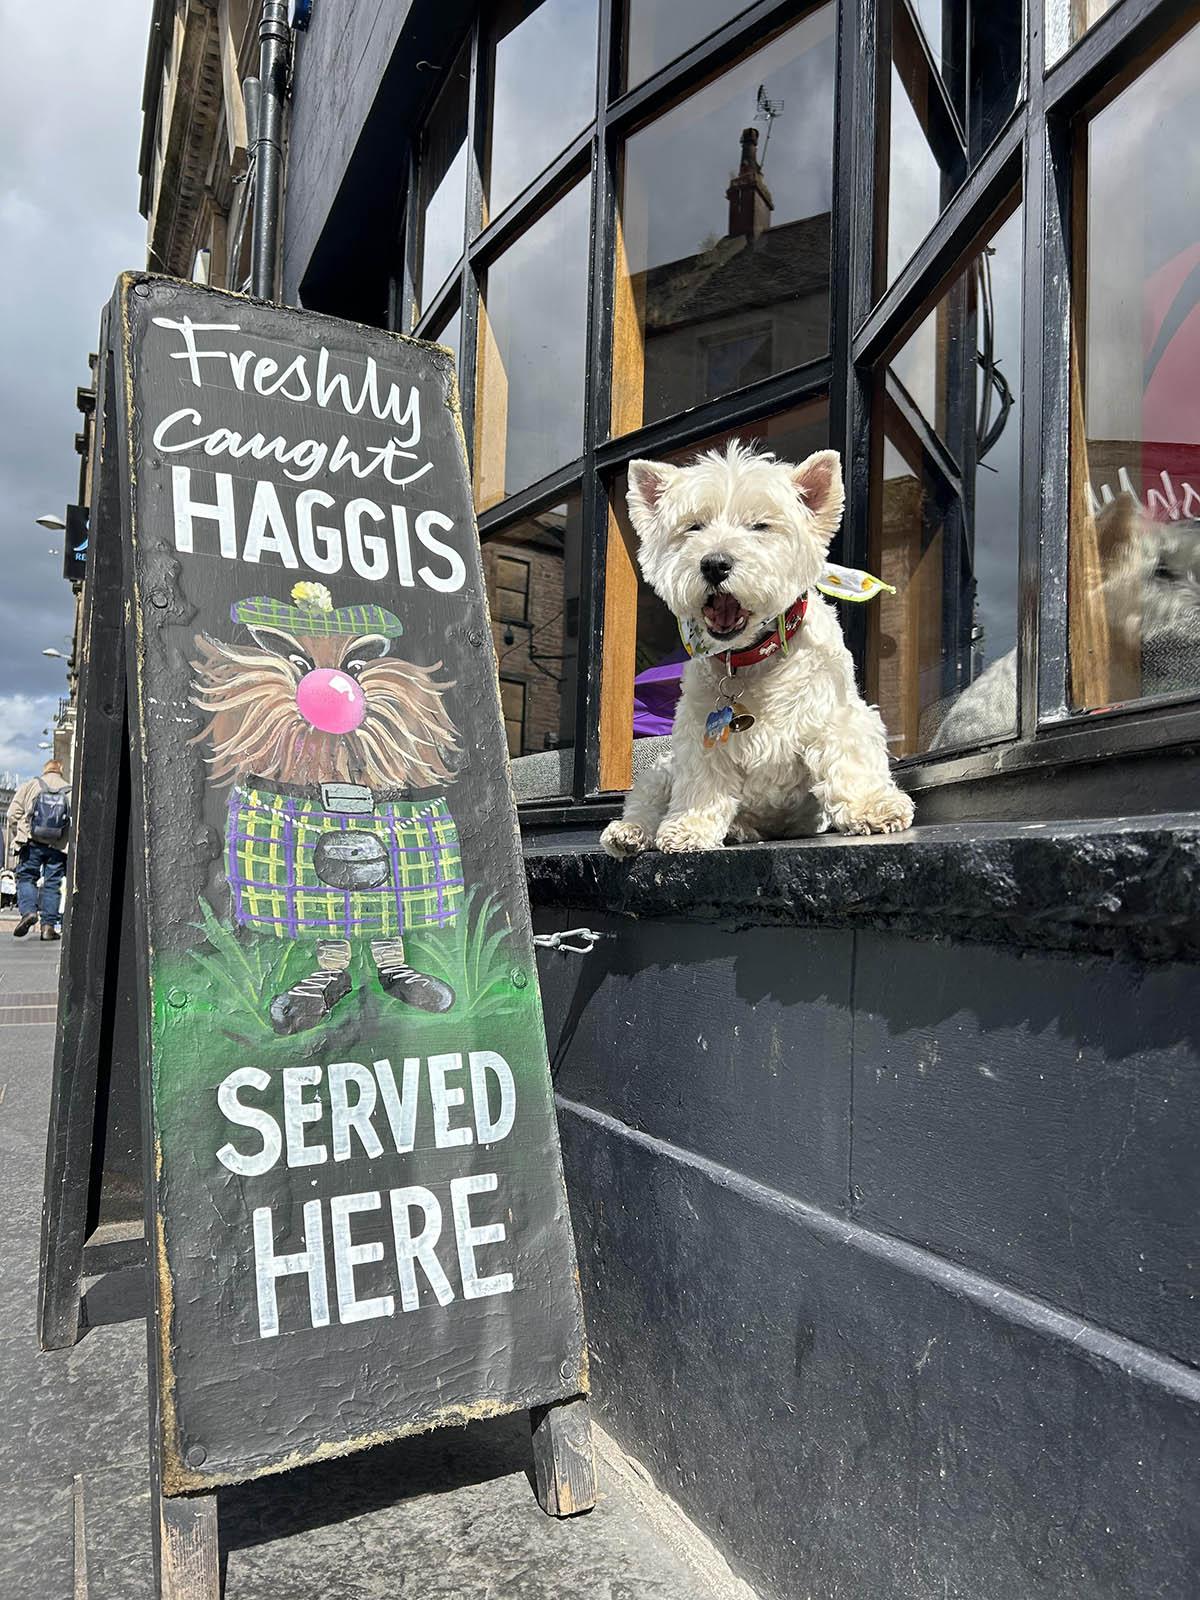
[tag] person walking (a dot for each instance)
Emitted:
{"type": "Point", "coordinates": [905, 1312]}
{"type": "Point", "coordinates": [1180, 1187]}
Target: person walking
{"type": "Point", "coordinates": [39, 820]}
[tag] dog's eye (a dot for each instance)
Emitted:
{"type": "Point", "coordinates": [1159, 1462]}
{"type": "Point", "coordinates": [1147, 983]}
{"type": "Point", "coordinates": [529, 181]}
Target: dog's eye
{"type": "Point", "coordinates": [302, 662]}
{"type": "Point", "coordinates": [1164, 573]}
{"type": "Point", "coordinates": [355, 667]}
{"type": "Point", "coordinates": [759, 527]}
{"type": "Point", "coordinates": [694, 527]}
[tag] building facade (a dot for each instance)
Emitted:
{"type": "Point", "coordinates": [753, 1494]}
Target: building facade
{"type": "Point", "coordinates": [879, 1152]}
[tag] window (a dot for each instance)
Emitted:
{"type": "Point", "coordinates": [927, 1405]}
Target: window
{"type": "Point", "coordinates": [945, 505]}
{"type": "Point", "coordinates": [532, 345]}
{"type": "Point", "coordinates": [448, 334]}
{"type": "Point", "coordinates": [1135, 480]}
{"type": "Point", "coordinates": [657, 31]}
{"type": "Point", "coordinates": [442, 187]}
{"type": "Point", "coordinates": [742, 260]}
{"type": "Point", "coordinates": [1068, 20]}
{"type": "Point", "coordinates": [536, 47]}
{"type": "Point", "coordinates": [960, 248]}
{"type": "Point", "coordinates": [955, 75]}
{"type": "Point", "coordinates": [531, 569]}
{"type": "Point", "coordinates": [512, 702]}
{"type": "Point", "coordinates": [511, 588]}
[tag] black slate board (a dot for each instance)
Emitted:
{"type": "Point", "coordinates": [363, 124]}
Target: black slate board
{"type": "Point", "coordinates": [316, 770]}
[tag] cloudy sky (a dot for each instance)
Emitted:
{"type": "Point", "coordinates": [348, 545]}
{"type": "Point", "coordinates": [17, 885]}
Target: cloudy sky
{"type": "Point", "coordinates": [70, 124]}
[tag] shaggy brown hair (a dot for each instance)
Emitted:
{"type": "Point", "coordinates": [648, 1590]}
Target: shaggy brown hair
{"type": "Point", "coordinates": [249, 694]}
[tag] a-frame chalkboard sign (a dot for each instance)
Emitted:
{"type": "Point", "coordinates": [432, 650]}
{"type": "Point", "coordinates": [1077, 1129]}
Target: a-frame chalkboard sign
{"type": "Point", "coordinates": [354, 1206]}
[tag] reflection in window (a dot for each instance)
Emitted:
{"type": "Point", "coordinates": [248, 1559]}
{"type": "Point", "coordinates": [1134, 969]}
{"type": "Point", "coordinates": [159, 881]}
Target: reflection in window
{"type": "Point", "coordinates": [942, 662]}
{"type": "Point", "coordinates": [512, 701]}
{"type": "Point", "coordinates": [442, 185]}
{"type": "Point", "coordinates": [649, 633]}
{"type": "Point", "coordinates": [532, 346]}
{"type": "Point", "coordinates": [1134, 569]}
{"type": "Point", "coordinates": [703, 257]}
{"type": "Point", "coordinates": [543, 89]}
{"type": "Point", "coordinates": [656, 31]}
{"type": "Point", "coordinates": [531, 570]}
{"type": "Point", "coordinates": [1068, 20]}
{"type": "Point", "coordinates": [956, 74]}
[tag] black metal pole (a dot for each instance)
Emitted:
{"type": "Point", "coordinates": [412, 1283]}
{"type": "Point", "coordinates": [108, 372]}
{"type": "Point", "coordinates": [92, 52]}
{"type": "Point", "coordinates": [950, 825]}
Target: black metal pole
{"type": "Point", "coordinates": [268, 146]}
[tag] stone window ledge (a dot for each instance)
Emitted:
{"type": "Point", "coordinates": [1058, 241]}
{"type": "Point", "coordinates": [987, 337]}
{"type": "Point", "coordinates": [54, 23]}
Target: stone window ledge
{"type": "Point", "coordinates": [1130, 886]}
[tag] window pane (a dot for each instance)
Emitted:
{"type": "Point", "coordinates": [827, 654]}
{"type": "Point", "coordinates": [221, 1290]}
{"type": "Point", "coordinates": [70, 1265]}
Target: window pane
{"type": "Point", "coordinates": [942, 660]}
{"type": "Point", "coordinates": [656, 31]}
{"type": "Point", "coordinates": [1135, 479]}
{"type": "Point", "coordinates": [956, 75]}
{"type": "Point", "coordinates": [442, 185]}
{"type": "Point", "coordinates": [720, 280]}
{"type": "Point", "coordinates": [532, 346]}
{"type": "Point", "coordinates": [450, 335]}
{"type": "Point", "coordinates": [543, 89]}
{"type": "Point", "coordinates": [536, 632]}
{"type": "Point", "coordinates": [930, 20]}
{"type": "Point", "coordinates": [1068, 20]}
{"type": "Point", "coordinates": [657, 652]}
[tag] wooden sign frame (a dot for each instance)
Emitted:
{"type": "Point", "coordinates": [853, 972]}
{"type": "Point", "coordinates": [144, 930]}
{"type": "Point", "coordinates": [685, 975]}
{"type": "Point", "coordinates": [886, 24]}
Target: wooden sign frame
{"type": "Point", "coordinates": [353, 1191]}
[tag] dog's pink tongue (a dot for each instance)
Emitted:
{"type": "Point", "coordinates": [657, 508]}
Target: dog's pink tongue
{"type": "Point", "coordinates": [724, 614]}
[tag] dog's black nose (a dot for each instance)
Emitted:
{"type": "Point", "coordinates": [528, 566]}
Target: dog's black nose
{"type": "Point", "coordinates": [716, 568]}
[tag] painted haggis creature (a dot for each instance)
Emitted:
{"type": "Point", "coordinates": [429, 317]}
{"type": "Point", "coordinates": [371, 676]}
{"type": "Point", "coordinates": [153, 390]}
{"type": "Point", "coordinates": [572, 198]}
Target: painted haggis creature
{"type": "Point", "coordinates": [322, 732]}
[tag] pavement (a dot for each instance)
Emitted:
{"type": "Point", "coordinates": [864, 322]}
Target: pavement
{"type": "Point", "coordinates": [448, 1514]}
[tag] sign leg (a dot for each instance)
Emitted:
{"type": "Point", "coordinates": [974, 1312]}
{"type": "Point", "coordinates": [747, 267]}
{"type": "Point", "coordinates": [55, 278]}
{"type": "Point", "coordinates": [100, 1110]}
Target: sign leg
{"type": "Point", "coordinates": [563, 1459]}
{"type": "Point", "coordinates": [189, 1557]}
{"type": "Point", "coordinates": [73, 1180]}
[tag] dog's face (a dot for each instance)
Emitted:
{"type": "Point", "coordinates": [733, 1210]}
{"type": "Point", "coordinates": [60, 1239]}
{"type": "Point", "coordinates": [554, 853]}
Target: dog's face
{"type": "Point", "coordinates": [732, 540]}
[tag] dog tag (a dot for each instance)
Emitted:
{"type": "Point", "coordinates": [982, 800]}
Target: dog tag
{"type": "Point", "coordinates": [716, 726]}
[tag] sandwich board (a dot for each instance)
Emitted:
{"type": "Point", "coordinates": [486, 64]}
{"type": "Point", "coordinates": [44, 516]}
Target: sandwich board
{"type": "Point", "coordinates": [354, 1210]}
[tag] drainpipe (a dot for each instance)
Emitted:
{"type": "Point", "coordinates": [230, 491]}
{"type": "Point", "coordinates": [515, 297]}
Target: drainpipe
{"type": "Point", "coordinates": [274, 40]}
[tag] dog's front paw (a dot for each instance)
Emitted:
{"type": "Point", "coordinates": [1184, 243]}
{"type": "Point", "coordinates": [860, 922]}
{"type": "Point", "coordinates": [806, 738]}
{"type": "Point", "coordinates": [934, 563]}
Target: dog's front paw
{"type": "Point", "coordinates": [624, 839]}
{"type": "Point", "coordinates": [742, 833]}
{"type": "Point", "coordinates": [686, 833]}
{"type": "Point", "coordinates": [889, 811]}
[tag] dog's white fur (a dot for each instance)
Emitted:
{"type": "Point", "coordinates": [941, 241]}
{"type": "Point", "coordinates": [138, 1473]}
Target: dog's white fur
{"type": "Point", "coordinates": [816, 756]}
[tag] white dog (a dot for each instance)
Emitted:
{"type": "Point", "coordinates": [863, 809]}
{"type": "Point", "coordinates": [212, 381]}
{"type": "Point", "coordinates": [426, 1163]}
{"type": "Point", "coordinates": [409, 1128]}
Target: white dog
{"type": "Point", "coordinates": [770, 717]}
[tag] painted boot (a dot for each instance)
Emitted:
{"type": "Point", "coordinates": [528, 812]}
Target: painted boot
{"type": "Point", "coordinates": [311, 1000]}
{"type": "Point", "coordinates": [406, 983]}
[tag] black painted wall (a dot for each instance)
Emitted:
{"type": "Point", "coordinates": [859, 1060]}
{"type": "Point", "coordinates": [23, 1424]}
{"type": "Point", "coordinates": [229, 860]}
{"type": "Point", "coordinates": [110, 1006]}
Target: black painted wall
{"type": "Point", "coordinates": [888, 1250]}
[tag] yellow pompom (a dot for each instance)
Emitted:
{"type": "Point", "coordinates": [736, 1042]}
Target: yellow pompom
{"type": "Point", "coordinates": [314, 595]}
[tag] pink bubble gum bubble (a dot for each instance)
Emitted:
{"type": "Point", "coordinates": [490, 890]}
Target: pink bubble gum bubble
{"type": "Point", "coordinates": [330, 700]}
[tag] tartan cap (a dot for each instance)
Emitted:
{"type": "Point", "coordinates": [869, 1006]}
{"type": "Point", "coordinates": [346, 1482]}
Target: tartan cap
{"type": "Point", "coordinates": [313, 613]}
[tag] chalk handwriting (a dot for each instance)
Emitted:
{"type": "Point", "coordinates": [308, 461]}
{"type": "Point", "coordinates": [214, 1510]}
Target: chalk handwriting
{"type": "Point", "coordinates": [292, 382]}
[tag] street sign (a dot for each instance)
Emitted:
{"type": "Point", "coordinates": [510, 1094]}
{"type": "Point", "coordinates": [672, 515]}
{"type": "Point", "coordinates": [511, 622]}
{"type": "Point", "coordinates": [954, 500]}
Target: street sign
{"type": "Point", "coordinates": [355, 1205]}
{"type": "Point", "coordinates": [75, 540]}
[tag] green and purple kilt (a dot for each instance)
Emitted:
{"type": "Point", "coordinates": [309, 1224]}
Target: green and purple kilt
{"type": "Point", "coordinates": [270, 842]}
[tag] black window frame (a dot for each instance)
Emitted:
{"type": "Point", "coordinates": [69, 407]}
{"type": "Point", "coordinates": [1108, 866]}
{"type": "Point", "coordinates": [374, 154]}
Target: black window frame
{"type": "Point", "coordinates": [1032, 152]}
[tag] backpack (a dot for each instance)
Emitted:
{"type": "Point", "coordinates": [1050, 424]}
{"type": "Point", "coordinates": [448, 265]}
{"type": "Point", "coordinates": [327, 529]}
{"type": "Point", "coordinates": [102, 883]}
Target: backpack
{"type": "Point", "coordinates": [51, 815]}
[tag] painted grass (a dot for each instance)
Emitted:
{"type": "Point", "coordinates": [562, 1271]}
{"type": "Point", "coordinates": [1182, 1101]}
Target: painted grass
{"type": "Point", "coordinates": [222, 990]}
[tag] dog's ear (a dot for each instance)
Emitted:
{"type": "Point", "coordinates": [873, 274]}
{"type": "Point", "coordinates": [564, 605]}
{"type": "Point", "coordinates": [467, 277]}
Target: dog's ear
{"type": "Point", "coordinates": [647, 482]}
{"type": "Point", "coordinates": [818, 482]}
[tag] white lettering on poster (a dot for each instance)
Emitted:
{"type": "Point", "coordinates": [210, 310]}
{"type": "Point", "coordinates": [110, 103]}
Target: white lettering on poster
{"type": "Point", "coordinates": [369, 535]}
{"type": "Point", "coordinates": [442, 1103]}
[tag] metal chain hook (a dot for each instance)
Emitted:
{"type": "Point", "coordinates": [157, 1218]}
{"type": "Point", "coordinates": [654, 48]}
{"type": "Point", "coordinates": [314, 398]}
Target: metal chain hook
{"type": "Point", "coordinates": [559, 941]}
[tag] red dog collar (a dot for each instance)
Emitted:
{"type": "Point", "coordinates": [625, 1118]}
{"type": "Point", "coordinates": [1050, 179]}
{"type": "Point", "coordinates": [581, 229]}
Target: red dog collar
{"type": "Point", "coordinates": [777, 639]}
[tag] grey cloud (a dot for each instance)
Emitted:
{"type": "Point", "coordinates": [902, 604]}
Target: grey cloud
{"type": "Point", "coordinates": [70, 122]}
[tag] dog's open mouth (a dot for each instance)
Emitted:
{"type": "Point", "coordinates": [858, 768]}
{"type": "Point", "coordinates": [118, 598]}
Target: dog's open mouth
{"type": "Point", "coordinates": [724, 615]}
